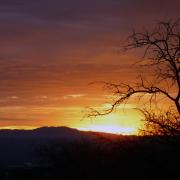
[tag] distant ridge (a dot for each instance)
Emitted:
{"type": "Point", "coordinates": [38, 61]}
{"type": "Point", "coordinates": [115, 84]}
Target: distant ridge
{"type": "Point", "coordinates": [19, 146]}
{"type": "Point", "coordinates": [50, 131]}
{"type": "Point", "coordinates": [64, 133]}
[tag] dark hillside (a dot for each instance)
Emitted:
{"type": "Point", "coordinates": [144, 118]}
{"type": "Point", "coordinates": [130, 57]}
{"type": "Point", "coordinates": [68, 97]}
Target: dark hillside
{"type": "Point", "coordinates": [64, 153]}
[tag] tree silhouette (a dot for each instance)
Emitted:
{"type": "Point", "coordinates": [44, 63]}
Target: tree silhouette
{"type": "Point", "coordinates": [161, 48]}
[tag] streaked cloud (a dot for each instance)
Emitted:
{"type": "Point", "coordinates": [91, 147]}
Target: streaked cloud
{"type": "Point", "coordinates": [74, 96]}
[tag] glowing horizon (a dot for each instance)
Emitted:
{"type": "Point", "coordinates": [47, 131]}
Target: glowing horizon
{"type": "Point", "coordinates": [112, 123]}
{"type": "Point", "coordinates": [111, 129]}
{"type": "Point", "coordinates": [104, 129]}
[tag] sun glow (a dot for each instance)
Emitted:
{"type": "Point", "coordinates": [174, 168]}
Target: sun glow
{"type": "Point", "coordinates": [113, 123]}
{"type": "Point", "coordinates": [110, 129]}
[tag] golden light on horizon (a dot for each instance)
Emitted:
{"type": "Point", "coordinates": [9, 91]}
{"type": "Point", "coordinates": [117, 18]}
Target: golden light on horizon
{"type": "Point", "coordinates": [111, 129]}
{"type": "Point", "coordinates": [113, 123]}
{"type": "Point", "coordinates": [18, 127]}
{"type": "Point", "coordinates": [126, 123]}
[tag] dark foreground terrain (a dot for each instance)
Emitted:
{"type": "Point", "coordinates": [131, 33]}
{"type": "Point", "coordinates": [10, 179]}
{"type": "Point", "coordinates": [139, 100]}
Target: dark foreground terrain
{"type": "Point", "coordinates": [67, 154]}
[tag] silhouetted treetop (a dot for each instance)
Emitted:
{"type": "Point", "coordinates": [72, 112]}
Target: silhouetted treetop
{"type": "Point", "coordinates": [162, 57]}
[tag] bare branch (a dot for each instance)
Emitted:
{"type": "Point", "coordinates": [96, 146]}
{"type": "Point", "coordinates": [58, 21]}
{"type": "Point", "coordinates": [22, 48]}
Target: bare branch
{"type": "Point", "coordinates": [161, 56]}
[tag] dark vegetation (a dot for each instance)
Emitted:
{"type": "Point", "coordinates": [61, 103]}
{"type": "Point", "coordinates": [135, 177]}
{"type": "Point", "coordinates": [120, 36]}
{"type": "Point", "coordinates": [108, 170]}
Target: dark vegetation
{"type": "Point", "coordinates": [71, 154]}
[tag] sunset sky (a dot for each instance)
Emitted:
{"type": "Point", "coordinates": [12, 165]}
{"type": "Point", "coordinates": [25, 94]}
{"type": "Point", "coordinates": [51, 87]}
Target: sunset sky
{"type": "Point", "coordinates": [51, 50]}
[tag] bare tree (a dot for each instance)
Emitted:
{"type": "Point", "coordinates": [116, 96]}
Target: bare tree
{"type": "Point", "coordinates": [165, 123]}
{"type": "Point", "coordinates": [162, 56]}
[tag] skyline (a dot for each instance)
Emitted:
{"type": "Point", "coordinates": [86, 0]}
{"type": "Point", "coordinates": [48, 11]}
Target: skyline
{"type": "Point", "coordinates": [51, 50]}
